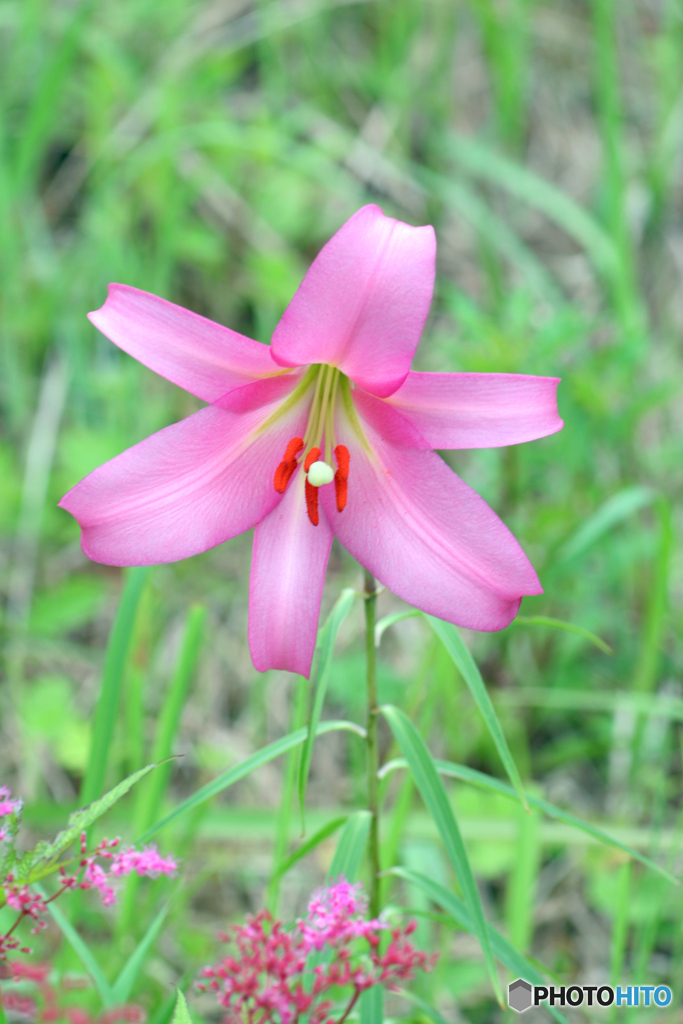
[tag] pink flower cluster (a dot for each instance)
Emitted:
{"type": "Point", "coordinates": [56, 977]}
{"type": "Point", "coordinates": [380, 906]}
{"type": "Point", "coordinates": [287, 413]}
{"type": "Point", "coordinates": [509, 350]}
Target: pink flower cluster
{"type": "Point", "coordinates": [335, 916]}
{"type": "Point", "coordinates": [273, 981]}
{"type": "Point", "coordinates": [7, 806]}
{"type": "Point", "coordinates": [48, 1008]}
{"type": "Point", "coordinates": [88, 874]}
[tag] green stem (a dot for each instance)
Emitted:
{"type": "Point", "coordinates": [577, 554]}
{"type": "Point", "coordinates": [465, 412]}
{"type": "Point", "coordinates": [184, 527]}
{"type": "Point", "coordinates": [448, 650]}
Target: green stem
{"type": "Point", "coordinates": [372, 749]}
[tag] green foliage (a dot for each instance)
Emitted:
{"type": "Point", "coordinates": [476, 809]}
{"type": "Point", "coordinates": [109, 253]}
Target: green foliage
{"type": "Point", "coordinates": [205, 152]}
{"type": "Point", "coordinates": [453, 642]}
{"type": "Point", "coordinates": [43, 859]}
{"type": "Point", "coordinates": [181, 1014]}
{"type": "Point", "coordinates": [434, 795]}
{"type": "Point", "coordinates": [319, 678]}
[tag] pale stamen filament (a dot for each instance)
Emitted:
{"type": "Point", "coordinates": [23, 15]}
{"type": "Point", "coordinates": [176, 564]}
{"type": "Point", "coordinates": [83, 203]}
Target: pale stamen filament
{"type": "Point", "coordinates": [322, 412]}
{"type": "Point", "coordinates": [313, 418]}
{"type": "Point", "coordinates": [330, 440]}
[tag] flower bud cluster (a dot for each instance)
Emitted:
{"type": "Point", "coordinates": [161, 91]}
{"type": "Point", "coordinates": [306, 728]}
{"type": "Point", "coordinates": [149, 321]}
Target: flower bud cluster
{"type": "Point", "coordinates": [276, 976]}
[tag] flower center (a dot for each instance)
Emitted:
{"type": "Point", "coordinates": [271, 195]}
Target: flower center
{"type": "Point", "coordinates": [319, 471]}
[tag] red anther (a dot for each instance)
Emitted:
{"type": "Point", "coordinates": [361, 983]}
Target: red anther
{"type": "Point", "coordinates": [312, 457]}
{"type": "Point", "coordinates": [283, 474]}
{"type": "Point", "coordinates": [293, 448]}
{"type": "Point", "coordinates": [288, 464]}
{"type": "Point", "coordinates": [312, 503]}
{"type": "Point", "coordinates": [341, 477]}
{"type": "Point", "coordinates": [343, 459]}
{"type": "Point", "coordinates": [341, 488]}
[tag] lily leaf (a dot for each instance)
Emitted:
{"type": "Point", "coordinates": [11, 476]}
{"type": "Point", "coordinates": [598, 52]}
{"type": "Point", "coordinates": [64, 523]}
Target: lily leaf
{"type": "Point", "coordinates": [456, 647]}
{"type": "Point", "coordinates": [244, 768]}
{"type": "Point", "coordinates": [515, 961]}
{"type": "Point", "coordinates": [432, 790]}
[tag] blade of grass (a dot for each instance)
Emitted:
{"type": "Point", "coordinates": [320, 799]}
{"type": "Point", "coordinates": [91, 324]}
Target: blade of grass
{"type": "Point", "coordinates": [515, 961]}
{"type": "Point", "coordinates": [492, 229]}
{"type": "Point", "coordinates": [284, 818]}
{"type": "Point", "coordinates": [465, 774]}
{"type": "Point", "coordinates": [316, 839]}
{"type": "Point", "coordinates": [150, 796]}
{"type": "Point", "coordinates": [112, 678]}
{"type": "Point", "coordinates": [466, 665]}
{"type": "Point", "coordinates": [520, 892]}
{"type": "Point", "coordinates": [123, 986]}
{"type": "Point", "coordinates": [433, 793]}
{"type": "Point", "coordinates": [545, 620]}
{"type": "Point", "coordinates": [244, 768]}
{"type": "Point", "coordinates": [321, 671]}
{"type": "Point", "coordinates": [82, 951]}
{"type": "Point", "coordinates": [614, 511]}
{"type": "Point", "coordinates": [426, 1009]}
{"type": "Point", "coordinates": [372, 1005]}
{"type": "Point", "coordinates": [483, 161]}
{"type": "Point", "coordinates": [656, 603]}
{"type": "Point", "coordinates": [391, 620]}
{"type": "Point", "coordinates": [351, 847]}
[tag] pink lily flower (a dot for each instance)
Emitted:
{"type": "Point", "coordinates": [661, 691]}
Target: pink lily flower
{"type": "Point", "coordinates": [325, 432]}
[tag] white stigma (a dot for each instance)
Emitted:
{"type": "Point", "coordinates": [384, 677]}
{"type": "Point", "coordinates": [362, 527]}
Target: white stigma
{"type": "Point", "coordinates": [320, 473]}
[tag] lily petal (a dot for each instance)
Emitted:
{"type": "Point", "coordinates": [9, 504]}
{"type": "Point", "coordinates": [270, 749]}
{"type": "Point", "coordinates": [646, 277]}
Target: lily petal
{"type": "Point", "coordinates": [195, 353]}
{"type": "Point", "coordinates": [363, 302]}
{"type": "Point", "coordinates": [426, 535]}
{"type": "Point", "coordinates": [287, 575]}
{"type": "Point", "coordinates": [478, 410]}
{"type": "Point", "coordinates": [192, 485]}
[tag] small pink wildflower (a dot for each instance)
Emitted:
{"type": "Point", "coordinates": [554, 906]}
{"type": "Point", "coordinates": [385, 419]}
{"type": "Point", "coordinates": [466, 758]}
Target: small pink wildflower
{"type": "Point", "coordinates": [148, 862]}
{"type": "Point", "coordinates": [90, 873]}
{"type": "Point", "coordinates": [334, 916]}
{"type": "Point", "coordinates": [94, 877]}
{"type": "Point", "coordinates": [265, 980]}
{"type": "Point", "coordinates": [7, 805]}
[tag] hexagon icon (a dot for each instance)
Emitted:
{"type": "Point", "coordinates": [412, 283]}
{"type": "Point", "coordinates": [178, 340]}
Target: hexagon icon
{"type": "Point", "coordinates": [519, 995]}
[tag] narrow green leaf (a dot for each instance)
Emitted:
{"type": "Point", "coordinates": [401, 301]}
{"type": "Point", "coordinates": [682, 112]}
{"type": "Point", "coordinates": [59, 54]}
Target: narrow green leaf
{"type": "Point", "coordinates": [391, 620]}
{"type": "Point", "coordinates": [316, 839]}
{"type": "Point", "coordinates": [106, 713]}
{"type": "Point", "coordinates": [79, 821]}
{"type": "Point", "coordinates": [465, 774]}
{"type": "Point", "coordinates": [544, 620]}
{"type": "Point", "coordinates": [82, 952]}
{"type": "Point", "coordinates": [428, 1010]}
{"type": "Point", "coordinates": [123, 986]}
{"type": "Point", "coordinates": [515, 961]}
{"type": "Point", "coordinates": [351, 846]}
{"type": "Point", "coordinates": [468, 204]}
{"type": "Point", "coordinates": [152, 793]}
{"type": "Point", "coordinates": [372, 1005]}
{"type": "Point", "coordinates": [320, 676]}
{"type": "Point", "coordinates": [614, 511]}
{"type": "Point", "coordinates": [239, 771]}
{"type": "Point", "coordinates": [181, 1014]}
{"type": "Point", "coordinates": [484, 162]}
{"type": "Point", "coordinates": [436, 799]}
{"type": "Point", "coordinates": [466, 665]}
{"type": "Point", "coordinates": [164, 1012]}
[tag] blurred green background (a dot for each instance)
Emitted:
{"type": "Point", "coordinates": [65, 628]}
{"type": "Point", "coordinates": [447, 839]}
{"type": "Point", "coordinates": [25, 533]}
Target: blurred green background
{"type": "Point", "coordinates": [205, 151]}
